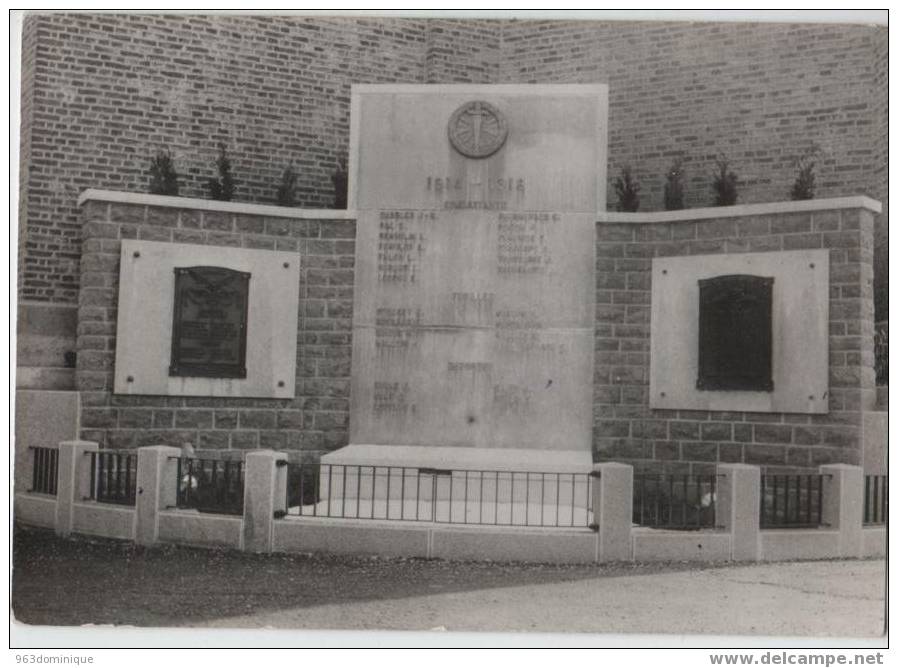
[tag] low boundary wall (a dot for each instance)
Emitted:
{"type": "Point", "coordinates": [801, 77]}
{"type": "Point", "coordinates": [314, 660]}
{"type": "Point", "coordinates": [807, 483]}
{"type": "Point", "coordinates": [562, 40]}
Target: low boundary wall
{"type": "Point", "coordinates": [264, 528]}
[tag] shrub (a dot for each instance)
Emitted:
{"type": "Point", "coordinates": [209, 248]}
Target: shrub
{"type": "Point", "coordinates": [341, 186]}
{"type": "Point", "coordinates": [627, 191]}
{"type": "Point", "coordinates": [724, 184]}
{"type": "Point", "coordinates": [803, 188]}
{"type": "Point", "coordinates": [287, 188]}
{"type": "Point", "coordinates": [163, 177]}
{"type": "Point", "coordinates": [673, 187]}
{"type": "Point", "coordinates": [222, 187]}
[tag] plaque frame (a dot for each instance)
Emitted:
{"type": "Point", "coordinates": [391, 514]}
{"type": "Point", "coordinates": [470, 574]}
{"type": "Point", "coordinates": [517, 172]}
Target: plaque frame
{"type": "Point", "coordinates": [179, 368]}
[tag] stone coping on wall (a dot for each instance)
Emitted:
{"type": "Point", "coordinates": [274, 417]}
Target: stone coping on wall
{"type": "Point", "coordinates": [123, 197]}
{"type": "Point", "coordinates": [738, 210]}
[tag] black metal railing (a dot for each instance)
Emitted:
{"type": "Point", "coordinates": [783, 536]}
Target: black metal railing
{"type": "Point", "coordinates": [45, 470]}
{"type": "Point", "coordinates": [791, 501]}
{"type": "Point", "coordinates": [210, 485]}
{"type": "Point", "coordinates": [498, 498]}
{"type": "Point", "coordinates": [113, 476]}
{"type": "Point", "coordinates": [876, 499]}
{"type": "Point", "coordinates": [881, 353]}
{"type": "Point", "coordinates": [675, 501]}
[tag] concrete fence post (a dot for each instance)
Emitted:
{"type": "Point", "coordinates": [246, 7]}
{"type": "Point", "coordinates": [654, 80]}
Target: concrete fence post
{"type": "Point", "coordinates": [612, 504]}
{"type": "Point", "coordinates": [72, 481]}
{"type": "Point", "coordinates": [738, 506]}
{"type": "Point", "coordinates": [264, 494]}
{"type": "Point", "coordinates": [843, 505]}
{"type": "Point", "coordinates": [157, 489]}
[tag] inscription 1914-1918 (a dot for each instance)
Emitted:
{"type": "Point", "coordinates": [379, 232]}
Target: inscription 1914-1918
{"type": "Point", "coordinates": [210, 318]}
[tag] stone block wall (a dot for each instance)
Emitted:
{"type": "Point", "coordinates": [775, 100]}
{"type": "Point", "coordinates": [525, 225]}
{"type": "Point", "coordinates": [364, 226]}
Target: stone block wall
{"type": "Point", "coordinates": [681, 441]}
{"type": "Point", "coordinates": [314, 422]}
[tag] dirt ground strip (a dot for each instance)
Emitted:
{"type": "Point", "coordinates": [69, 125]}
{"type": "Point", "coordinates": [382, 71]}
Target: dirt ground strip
{"type": "Point", "coordinates": [84, 580]}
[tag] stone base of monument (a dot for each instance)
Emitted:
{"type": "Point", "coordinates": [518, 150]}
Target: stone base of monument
{"type": "Point", "coordinates": [455, 484]}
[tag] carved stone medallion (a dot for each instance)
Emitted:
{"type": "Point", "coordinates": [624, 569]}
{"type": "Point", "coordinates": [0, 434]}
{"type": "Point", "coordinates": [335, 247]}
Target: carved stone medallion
{"type": "Point", "coordinates": [477, 129]}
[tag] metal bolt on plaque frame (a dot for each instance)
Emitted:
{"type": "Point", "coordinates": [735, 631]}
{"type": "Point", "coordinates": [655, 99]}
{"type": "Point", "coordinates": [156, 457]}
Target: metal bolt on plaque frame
{"type": "Point", "coordinates": [209, 323]}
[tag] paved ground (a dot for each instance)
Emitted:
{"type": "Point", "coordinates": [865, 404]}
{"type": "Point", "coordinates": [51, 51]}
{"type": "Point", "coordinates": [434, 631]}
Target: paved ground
{"type": "Point", "coordinates": [105, 582]}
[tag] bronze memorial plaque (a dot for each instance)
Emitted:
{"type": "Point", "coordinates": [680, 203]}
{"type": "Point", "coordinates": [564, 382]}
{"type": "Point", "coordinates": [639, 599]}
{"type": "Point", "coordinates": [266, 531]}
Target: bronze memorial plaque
{"type": "Point", "coordinates": [209, 327]}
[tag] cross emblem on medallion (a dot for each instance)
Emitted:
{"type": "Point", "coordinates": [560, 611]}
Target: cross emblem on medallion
{"type": "Point", "coordinates": [477, 129]}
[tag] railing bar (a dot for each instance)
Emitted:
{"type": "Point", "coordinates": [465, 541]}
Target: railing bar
{"type": "Point", "coordinates": [417, 494]}
{"type": "Point", "coordinates": [358, 490]}
{"type": "Point", "coordinates": [179, 496]}
{"type": "Point", "coordinates": [557, 496]}
{"type": "Point", "coordinates": [465, 521]}
{"type": "Point", "coordinates": [786, 515]}
{"type": "Point", "coordinates": [496, 502]}
{"type": "Point", "coordinates": [573, 498]}
{"type": "Point", "coordinates": [330, 487]}
{"type": "Point", "coordinates": [35, 469]}
{"type": "Point", "coordinates": [190, 478]}
{"type": "Point", "coordinates": [389, 469]}
{"type": "Point", "coordinates": [809, 495]}
{"type": "Point", "coordinates": [511, 504]}
{"type": "Point", "coordinates": [109, 472]}
{"type": "Point", "coordinates": [696, 482]}
{"type": "Point", "coordinates": [402, 497]}
{"type": "Point", "coordinates": [764, 506]}
{"type": "Point", "coordinates": [302, 488]}
{"type": "Point", "coordinates": [775, 499]}
{"type": "Point", "coordinates": [869, 512]}
{"type": "Point", "coordinates": [433, 497]}
{"type": "Point", "coordinates": [451, 481]}
{"type": "Point", "coordinates": [54, 471]}
{"type": "Point", "coordinates": [542, 499]}
{"type": "Point", "coordinates": [875, 486]}
{"type": "Point", "coordinates": [671, 484]}
{"type": "Point", "coordinates": [316, 487]}
{"type": "Point", "coordinates": [93, 475]}
{"type": "Point", "coordinates": [373, 489]}
{"type": "Point", "coordinates": [128, 477]}
{"type": "Point", "coordinates": [527, 500]}
{"type": "Point", "coordinates": [819, 499]}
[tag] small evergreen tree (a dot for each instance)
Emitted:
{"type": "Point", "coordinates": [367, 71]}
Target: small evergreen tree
{"type": "Point", "coordinates": [627, 191]}
{"type": "Point", "coordinates": [163, 177]}
{"type": "Point", "coordinates": [341, 185]}
{"type": "Point", "coordinates": [287, 188]}
{"type": "Point", "coordinates": [673, 187]}
{"type": "Point", "coordinates": [222, 188]}
{"type": "Point", "coordinates": [724, 184]}
{"type": "Point", "coordinates": [804, 185]}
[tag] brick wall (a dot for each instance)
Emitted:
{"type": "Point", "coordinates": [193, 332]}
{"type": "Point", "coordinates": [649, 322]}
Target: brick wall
{"type": "Point", "coordinates": [315, 421]}
{"type": "Point", "coordinates": [112, 89]}
{"type": "Point", "coordinates": [626, 429]}
{"type": "Point", "coordinates": [463, 51]}
{"type": "Point", "coordinates": [109, 90]}
{"type": "Point", "coordinates": [881, 175]}
{"type": "Point", "coordinates": [764, 94]}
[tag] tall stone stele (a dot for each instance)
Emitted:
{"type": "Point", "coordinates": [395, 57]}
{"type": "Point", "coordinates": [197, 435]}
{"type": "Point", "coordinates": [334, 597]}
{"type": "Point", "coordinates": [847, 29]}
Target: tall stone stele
{"type": "Point", "coordinates": [474, 290]}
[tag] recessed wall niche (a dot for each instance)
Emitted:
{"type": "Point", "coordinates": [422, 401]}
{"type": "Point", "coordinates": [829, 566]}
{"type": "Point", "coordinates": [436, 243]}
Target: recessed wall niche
{"type": "Point", "coordinates": [741, 332]}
